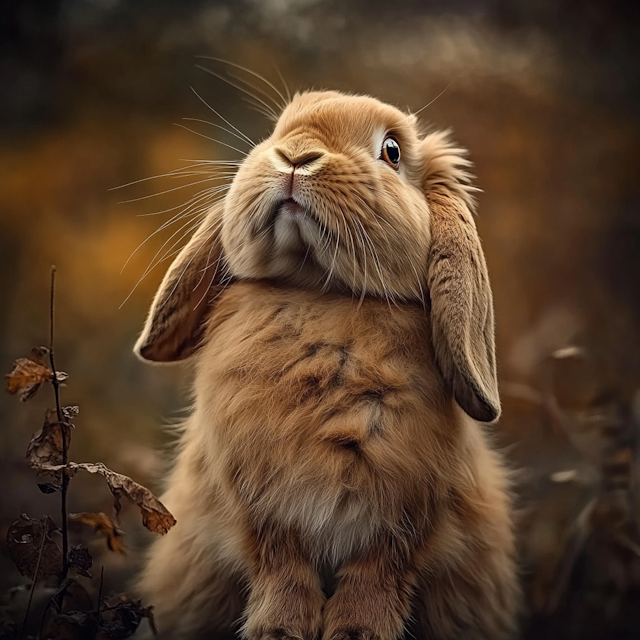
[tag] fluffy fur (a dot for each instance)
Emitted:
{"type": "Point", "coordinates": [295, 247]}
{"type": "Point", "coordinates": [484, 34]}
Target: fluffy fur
{"type": "Point", "coordinates": [328, 482]}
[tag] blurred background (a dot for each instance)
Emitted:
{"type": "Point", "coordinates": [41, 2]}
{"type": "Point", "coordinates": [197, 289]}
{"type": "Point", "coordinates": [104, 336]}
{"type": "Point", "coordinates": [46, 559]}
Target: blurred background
{"type": "Point", "coordinates": [545, 94]}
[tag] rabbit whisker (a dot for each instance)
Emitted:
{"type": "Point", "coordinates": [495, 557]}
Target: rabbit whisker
{"type": "Point", "coordinates": [155, 261]}
{"type": "Point", "coordinates": [352, 247]}
{"type": "Point", "coordinates": [195, 253]}
{"type": "Point", "coordinates": [218, 126]}
{"type": "Point", "coordinates": [202, 195]}
{"type": "Point", "coordinates": [182, 171]}
{"type": "Point", "coordinates": [192, 227]}
{"type": "Point", "coordinates": [284, 84]}
{"type": "Point", "coordinates": [205, 161]}
{"type": "Point", "coordinates": [304, 259]}
{"type": "Point", "coordinates": [376, 262]}
{"type": "Point", "coordinates": [267, 106]}
{"type": "Point", "coordinates": [261, 110]}
{"type": "Point", "coordinates": [415, 113]}
{"type": "Point", "coordinates": [253, 73]}
{"type": "Point", "coordinates": [422, 298]}
{"type": "Point", "coordinates": [278, 106]}
{"type": "Point", "coordinates": [206, 104]}
{"type": "Point", "coordinates": [179, 206]}
{"type": "Point", "coordinates": [197, 133]}
{"type": "Point", "coordinates": [213, 276]}
{"type": "Point", "coordinates": [333, 262]}
{"type": "Point", "coordinates": [364, 255]}
{"type": "Point", "coordinates": [378, 219]}
{"type": "Point", "coordinates": [161, 193]}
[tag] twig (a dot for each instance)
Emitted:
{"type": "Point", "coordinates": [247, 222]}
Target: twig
{"type": "Point", "coordinates": [33, 583]}
{"type": "Point", "coordinates": [99, 601]}
{"type": "Point", "coordinates": [59, 595]}
{"type": "Point", "coordinates": [56, 391]}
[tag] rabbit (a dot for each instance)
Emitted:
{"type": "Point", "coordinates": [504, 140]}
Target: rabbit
{"type": "Point", "coordinates": [333, 480]}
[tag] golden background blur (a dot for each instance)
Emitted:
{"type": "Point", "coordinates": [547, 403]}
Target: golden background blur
{"type": "Point", "coordinates": [545, 95]}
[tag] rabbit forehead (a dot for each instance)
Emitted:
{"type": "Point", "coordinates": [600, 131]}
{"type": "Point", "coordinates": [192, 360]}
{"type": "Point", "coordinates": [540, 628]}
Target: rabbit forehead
{"type": "Point", "coordinates": [338, 119]}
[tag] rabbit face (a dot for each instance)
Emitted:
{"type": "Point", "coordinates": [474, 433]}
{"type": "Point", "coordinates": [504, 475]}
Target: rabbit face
{"type": "Point", "coordinates": [345, 197]}
{"type": "Point", "coordinates": [316, 204]}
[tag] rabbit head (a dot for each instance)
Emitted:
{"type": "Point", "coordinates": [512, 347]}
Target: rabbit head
{"type": "Point", "coordinates": [346, 195]}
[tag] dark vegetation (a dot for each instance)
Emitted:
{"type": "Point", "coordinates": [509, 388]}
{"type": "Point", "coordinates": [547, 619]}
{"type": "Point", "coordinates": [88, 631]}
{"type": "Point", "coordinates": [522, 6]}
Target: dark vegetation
{"type": "Point", "coordinates": [545, 94]}
{"type": "Point", "coordinates": [39, 548]}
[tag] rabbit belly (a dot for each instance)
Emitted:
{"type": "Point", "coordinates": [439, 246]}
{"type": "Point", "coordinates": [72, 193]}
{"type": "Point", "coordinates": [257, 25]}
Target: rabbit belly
{"type": "Point", "coordinates": [325, 414]}
{"type": "Point", "coordinates": [322, 438]}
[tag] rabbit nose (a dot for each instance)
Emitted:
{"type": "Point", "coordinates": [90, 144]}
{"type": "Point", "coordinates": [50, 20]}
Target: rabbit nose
{"type": "Point", "coordinates": [297, 160]}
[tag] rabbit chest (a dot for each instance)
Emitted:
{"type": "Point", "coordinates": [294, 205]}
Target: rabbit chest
{"type": "Point", "coordinates": [322, 411]}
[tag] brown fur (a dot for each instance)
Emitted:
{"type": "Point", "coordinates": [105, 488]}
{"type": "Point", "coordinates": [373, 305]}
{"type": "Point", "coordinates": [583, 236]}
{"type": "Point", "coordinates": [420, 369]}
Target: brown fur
{"type": "Point", "coordinates": [326, 438]}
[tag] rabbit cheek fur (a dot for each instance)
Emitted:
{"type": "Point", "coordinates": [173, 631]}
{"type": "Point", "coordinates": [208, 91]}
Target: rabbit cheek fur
{"type": "Point", "coordinates": [326, 438]}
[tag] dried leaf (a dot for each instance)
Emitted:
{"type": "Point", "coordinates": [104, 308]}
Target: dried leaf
{"type": "Point", "coordinates": [74, 597]}
{"type": "Point", "coordinates": [45, 448]}
{"type": "Point", "coordinates": [155, 516]}
{"type": "Point", "coordinates": [49, 487]}
{"type": "Point", "coordinates": [80, 560]}
{"type": "Point", "coordinates": [70, 412]}
{"type": "Point", "coordinates": [28, 374]}
{"type": "Point", "coordinates": [121, 617]}
{"type": "Point", "coordinates": [148, 613]}
{"type": "Point", "coordinates": [70, 614]}
{"type": "Point", "coordinates": [32, 549]}
{"type": "Point", "coordinates": [102, 524]}
{"type": "Point", "coordinates": [73, 625]}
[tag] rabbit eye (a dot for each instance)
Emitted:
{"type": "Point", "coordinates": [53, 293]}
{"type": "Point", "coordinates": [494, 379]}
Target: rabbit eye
{"type": "Point", "coordinates": [391, 152]}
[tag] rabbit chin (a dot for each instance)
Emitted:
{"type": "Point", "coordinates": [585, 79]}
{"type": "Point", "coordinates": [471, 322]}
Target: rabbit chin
{"type": "Point", "coordinates": [296, 254]}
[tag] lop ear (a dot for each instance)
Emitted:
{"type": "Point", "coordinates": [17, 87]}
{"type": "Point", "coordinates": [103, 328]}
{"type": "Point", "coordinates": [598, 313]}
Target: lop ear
{"type": "Point", "coordinates": [458, 282]}
{"type": "Point", "coordinates": [175, 325]}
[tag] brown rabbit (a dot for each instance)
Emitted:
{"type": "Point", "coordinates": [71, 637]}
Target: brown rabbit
{"type": "Point", "coordinates": [332, 481]}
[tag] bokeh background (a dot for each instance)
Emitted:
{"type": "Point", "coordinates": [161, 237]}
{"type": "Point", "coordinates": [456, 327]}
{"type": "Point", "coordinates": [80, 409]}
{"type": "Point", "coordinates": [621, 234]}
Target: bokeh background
{"type": "Point", "coordinates": [545, 94]}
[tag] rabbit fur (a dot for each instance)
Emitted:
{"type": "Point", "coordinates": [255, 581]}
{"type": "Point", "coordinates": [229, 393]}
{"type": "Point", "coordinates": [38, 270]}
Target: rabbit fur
{"type": "Point", "coordinates": [333, 480]}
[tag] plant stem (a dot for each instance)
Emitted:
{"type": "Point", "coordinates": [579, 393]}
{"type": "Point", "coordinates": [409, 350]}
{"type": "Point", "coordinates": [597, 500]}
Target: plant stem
{"type": "Point", "coordinates": [65, 457]}
{"type": "Point", "coordinates": [99, 601]}
{"type": "Point", "coordinates": [33, 584]}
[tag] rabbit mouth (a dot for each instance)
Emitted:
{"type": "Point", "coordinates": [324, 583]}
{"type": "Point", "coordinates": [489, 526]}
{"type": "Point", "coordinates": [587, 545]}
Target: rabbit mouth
{"type": "Point", "coordinates": [293, 226]}
{"type": "Point", "coordinates": [296, 232]}
{"type": "Point", "coordinates": [289, 208]}
{"type": "Point", "coordinates": [290, 222]}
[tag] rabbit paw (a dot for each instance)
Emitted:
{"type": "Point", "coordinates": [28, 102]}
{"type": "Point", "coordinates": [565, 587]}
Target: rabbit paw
{"type": "Point", "coordinates": [352, 633]}
{"type": "Point", "coordinates": [284, 634]}
{"type": "Point", "coordinates": [281, 634]}
{"type": "Point", "coordinates": [345, 618]}
{"type": "Point", "coordinates": [294, 630]}
{"type": "Point", "coordinates": [285, 619]}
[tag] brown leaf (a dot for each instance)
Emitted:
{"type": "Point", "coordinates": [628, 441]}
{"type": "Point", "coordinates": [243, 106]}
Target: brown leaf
{"type": "Point", "coordinates": [70, 615]}
{"type": "Point", "coordinates": [80, 560]}
{"type": "Point", "coordinates": [148, 613]}
{"type": "Point", "coordinates": [102, 524]}
{"type": "Point", "coordinates": [28, 374]}
{"type": "Point", "coordinates": [75, 625]}
{"type": "Point", "coordinates": [155, 516]}
{"type": "Point", "coordinates": [32, 549]}
{"type": "Point", "coordinates": [121, 617]}
{"type": "Point", "coordinates": [70, 412]}
{"type": "Point", "coordinates": [74, 597]}
{"type": "Point", "coordinates": [45, 448]}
